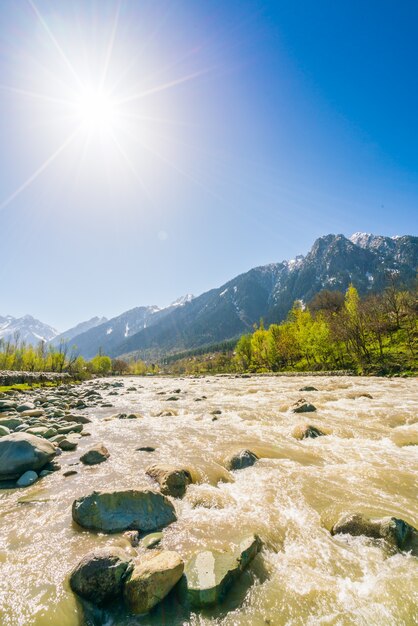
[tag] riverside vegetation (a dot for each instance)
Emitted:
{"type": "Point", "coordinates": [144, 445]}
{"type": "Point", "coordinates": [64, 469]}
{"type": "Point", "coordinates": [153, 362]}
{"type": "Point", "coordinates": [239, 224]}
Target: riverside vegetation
{"type": "Point", "coordinates": [229, 500]}
{"type": "Point", "coordinates": [335, 331]}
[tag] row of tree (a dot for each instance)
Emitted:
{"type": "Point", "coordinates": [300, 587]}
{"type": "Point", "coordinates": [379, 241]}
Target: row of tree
{"type": "Point", "coordinates": [335, 331]}
{"type": "Point", "coordinates": [16, 355]}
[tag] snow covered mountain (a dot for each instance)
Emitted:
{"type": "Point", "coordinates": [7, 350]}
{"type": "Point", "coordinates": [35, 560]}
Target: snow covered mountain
{"type": "Point", "coordinates": [26, 328]}
{"type": "Point", "coordinates": [69, 334]}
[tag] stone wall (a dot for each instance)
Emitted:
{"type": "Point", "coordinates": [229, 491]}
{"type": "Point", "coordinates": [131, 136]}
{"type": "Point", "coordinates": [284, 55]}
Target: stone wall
{"type": "Point", "coordinates": [17, 378]}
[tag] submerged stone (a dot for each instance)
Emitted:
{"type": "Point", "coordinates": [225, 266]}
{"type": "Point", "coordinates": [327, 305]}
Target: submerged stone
{"type": "Point", "coordinates": [301, 406]}
{"type": "Point", "coordinates": [95, 455]}
{"type": "Point", "coordinates": [173, 480]}
{"type": "Point", "coordinates": [307, 431]}
{"type": "Point", "coordinates": [396, 532]}
{"type": "Point", "coordinates": [241, 460]}
{"type": "Point", "coordinates": [116, 511]}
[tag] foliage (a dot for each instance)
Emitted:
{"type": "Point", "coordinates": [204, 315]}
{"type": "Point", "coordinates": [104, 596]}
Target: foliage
{"type": "Point", "coordinates": [376, 334]}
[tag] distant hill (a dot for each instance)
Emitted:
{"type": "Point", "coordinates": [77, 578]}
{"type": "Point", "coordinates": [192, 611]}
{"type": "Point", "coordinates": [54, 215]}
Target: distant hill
{"type": "Point", "coordinates": [26, 328]}
{"type": "Point", "coordinates": [83, 327]}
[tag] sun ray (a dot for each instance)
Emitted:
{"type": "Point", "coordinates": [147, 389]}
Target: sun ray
{"type": "Point", "coordinates": [130, 165]}
{"type": "Point", "coordinates": [109, 50]}
{"type": "Point", "coordinates": [32, 94]}
{"type": "Point", "coordinates": [55, 42]}
{"type": "Point", "coordinates": [163, 87]}
{"type": "Point", "coordinates": [39, 171]}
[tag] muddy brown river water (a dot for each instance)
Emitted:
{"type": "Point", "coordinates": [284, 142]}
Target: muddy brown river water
{"type": "Point", "coordinates": [291, 497]}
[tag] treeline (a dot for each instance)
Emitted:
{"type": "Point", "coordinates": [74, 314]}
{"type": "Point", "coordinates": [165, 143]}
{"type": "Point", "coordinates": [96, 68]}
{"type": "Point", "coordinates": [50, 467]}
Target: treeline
{"type": "Point", "coordinates": [335, 331]}
{"type": "Point", "coordinates": [16, 355]}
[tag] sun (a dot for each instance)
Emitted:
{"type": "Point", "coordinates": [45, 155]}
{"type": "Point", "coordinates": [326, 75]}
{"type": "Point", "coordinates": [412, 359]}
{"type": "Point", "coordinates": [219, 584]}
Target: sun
{"type": "Point", "coordinates": [96, 110]}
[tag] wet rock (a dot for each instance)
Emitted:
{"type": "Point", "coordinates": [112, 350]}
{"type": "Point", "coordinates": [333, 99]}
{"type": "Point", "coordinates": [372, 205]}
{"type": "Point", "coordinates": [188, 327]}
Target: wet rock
{"type": "Point", "coordinates": [116, 511]}
{"type": "Point", "coordinates": [67, 445]}
{"type": "Point", "coordinates": [20, 452]}
{"type": "Point", "coordinates": [308, 388]}
{"type": "Point", "coordinates": [100, 575]}
{"type": "Point", "coordinates": [95, 455]}
{"type": "Point", "coordinates": [241, 460]}
{"type": "Point", "coordinates": [151, 540]}
{"type": "Point", "coordinates": [307, 431]}
{"type": "Point", "coordinates": [396, 532]}
{"type": "Point", "coordinates": [301, 406]}
{"type": "Point", "coordinates": [28, 478]}
{"type": "Point", "coordinates": [132, 536]}
{"type": "Point", "coordinates": [145, 449]}
{"type": "Point", "coordinates": [70, 473]}
{"type": "Point", "coordinates": [151, 580]}
{"type": "Point", "coordinates": [210, 574]}
{"type": "Point", "coordinates": [53, 466]}
{"type": "Point", "coordinates": [173, 480]}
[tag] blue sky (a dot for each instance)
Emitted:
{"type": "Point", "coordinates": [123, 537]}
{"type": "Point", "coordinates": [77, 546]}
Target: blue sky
{"type": "Point", "coordinates": [230, 134]}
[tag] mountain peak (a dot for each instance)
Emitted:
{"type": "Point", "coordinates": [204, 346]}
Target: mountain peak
{"type": "Point", "coordinates": [183, 300]}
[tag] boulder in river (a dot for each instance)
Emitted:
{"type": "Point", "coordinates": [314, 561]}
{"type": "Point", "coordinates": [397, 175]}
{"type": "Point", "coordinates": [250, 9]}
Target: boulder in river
{"type": "Point", "coordinates": [116, 511]}
{"type": "Point", "coordinates": [100, 575]}
{"type": "Point", "coordinates": [301, 406]}
{"type": "Point", "coordinates": [396, 532]}
{"type": "Point", "coordinates": [20, 452]}
{"type": "Point", "coordinates": [307, 431]}
{"type": "Point", "coordinates": [173, 480]}
{"type": "Point", "coordinates": [95, 455]}
{"type": "Point", "coordinates": [308, 388]}
{"type": "Point", "coordinates": [210, 574]}
{"type": "Point", "coordinates": [151, 580]}
{"type": "Point", "coordinates": [241, 459]}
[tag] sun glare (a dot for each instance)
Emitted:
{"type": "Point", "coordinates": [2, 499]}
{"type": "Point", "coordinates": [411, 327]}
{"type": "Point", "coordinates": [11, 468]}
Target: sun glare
{"type": "Point", "coordinates": [96, 111]}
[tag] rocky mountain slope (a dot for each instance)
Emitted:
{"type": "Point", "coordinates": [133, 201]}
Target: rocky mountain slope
{"type": "Point", "coordinates": [26, 328]}
{"type": "Point", "coordinates": [83, 327]}
{"type": "Point", "coordinates": [333, 262]}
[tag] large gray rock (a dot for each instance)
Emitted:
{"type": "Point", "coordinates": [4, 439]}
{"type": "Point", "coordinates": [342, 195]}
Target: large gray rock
{"type": "Point", "coordinates": [100, 575]}
{"type": "Point", "coordinates": [20, 452]}
{"type": "Point", "coordinates": [151, 580]}
{"type": "Point", "coordinates": [396, 532]}
{"type": "Point", "coordinates": [116, 511]}
{"type": "Point", "coordinates": [241, 460]}
{"type": "Point", "coordinates": [173, 480]}
{"type": "Point", "coordinates": [209, 574]}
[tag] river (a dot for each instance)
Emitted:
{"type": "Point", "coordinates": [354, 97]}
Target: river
{"type": "Point", "coordinates": [290, 497]}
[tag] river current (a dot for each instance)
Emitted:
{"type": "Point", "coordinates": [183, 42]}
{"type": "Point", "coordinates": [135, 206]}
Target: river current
{"type": "Point", "coordinates": [291, 497]}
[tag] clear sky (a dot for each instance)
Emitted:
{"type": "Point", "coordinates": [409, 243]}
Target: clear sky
{"type": "Point", "coordinates": [153, 148]}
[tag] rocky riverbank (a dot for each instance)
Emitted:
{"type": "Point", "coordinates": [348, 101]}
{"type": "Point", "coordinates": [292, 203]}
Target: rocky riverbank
{"type": "Point", "coordinates": [172, 499]}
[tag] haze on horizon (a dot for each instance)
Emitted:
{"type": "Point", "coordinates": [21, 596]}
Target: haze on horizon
{"type": "Point", "coordinates": [153, 149]}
